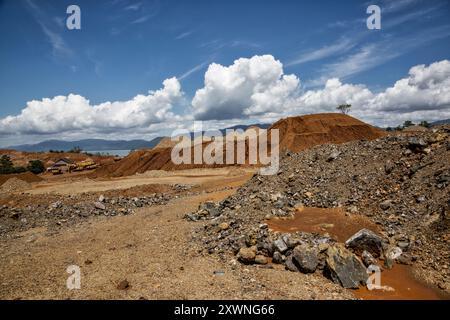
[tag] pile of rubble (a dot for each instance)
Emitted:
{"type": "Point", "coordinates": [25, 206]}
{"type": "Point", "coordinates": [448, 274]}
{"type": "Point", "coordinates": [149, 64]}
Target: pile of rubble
{"type": "Point", "coordinates": [65, 212]}
{"type": "Point", "coordinates": [14, 184]}
{"type": "Point", "coordinates": [400, 182]}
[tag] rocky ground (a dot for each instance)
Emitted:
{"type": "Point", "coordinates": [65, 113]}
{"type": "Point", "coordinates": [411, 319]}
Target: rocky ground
{"type": "Point", "coordinates": [149, 241]}
{"type": "Point", "coordinates": [21, 212]}
{"type": "Point", "coordinates": [400, 182]}
{"type": "Point", "coordinates": [144, 255]}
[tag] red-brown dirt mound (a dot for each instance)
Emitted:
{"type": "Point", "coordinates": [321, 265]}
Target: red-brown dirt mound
{"type": "Point", "coordinates": [304, 132]}
{"type": "Point", "coordinates": [26, 176]}
{"type": "Point", "coordinates": [296, 134]}
{"type": "Point", "coordinates": [143, 160]}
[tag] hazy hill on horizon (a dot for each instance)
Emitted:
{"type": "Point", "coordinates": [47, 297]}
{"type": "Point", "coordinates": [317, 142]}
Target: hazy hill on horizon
{"type": "Point", "coordinates": [103, 144]}
{"type": "Point", "coordinates": [440, 122]}
{"type": "Point", "coordinates": [87, 145]}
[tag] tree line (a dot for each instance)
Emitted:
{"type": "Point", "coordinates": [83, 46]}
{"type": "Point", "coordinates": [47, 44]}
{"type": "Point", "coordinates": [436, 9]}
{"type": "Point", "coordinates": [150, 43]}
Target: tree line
{"type": "Point", "coordinates": [7, 166]}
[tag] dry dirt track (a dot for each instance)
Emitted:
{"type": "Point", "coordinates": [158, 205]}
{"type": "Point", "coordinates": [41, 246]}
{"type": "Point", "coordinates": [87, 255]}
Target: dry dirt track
{"type": "Point", "coordinates": [152, 250]}
{"type": "Point", "coordinates": [61, 185]}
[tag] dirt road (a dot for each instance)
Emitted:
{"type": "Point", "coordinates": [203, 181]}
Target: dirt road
{"type": "Point", "coordinates": [81, 184]}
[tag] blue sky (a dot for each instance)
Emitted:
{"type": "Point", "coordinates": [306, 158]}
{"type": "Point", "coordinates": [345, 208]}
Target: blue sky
{"type": "Point", "coordinates": [129, 47]}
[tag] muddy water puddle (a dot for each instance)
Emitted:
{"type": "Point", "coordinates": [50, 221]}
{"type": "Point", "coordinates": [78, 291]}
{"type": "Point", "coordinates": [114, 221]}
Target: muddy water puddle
{"type": "Point", "coordinates": [333, 221]}
{"type": "Point", "coordinates": [341, 226]}
{"type": "Point", "coordinates": [405, 285]}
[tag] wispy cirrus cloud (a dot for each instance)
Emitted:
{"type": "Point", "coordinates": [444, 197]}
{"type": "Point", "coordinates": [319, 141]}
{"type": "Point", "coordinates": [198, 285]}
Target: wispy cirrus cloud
{"type": "Point", "coordinates": [394, 6]}
{"type": "Point", "coordinates": [364, 59]}
{"type": "Point", "coordinates": [374, 54]}
{"type": "Point", "coordinates": [218, 44]}
{"type": "Point", "coordinates": [135, 12]}
{"type": "Point", "coordinates": [193, 70]}
{"type": "Point", "coordinates": [142, 19]}
{"type": "Point", "coordinates": [183, 35]}
{"type": "Point", "coordinates": [341, 46]}
{"type": "Point", "coordinates": [391, 22]}
{"type": "Point", "coordinates": [52, 29]}
{"type": "Point", "coordinates": [134, 6]}
{"type": "Point", "coordinates": [355, 36]}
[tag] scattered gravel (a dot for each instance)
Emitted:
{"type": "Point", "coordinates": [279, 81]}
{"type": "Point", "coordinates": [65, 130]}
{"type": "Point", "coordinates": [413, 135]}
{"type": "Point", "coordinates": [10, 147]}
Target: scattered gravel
{"type": "Point", "coordinates": [400, 182]}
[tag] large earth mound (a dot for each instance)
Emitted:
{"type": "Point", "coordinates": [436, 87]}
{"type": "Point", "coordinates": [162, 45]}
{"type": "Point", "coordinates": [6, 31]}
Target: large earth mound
{"type": "Point", "coordinates": [144, 160]}
{"type": "Point", "coordinates": [159, 158]}
{"type": "Point", "coordinates": [296, 134]}
{"type": "Point", "coordinates": [304, 132]}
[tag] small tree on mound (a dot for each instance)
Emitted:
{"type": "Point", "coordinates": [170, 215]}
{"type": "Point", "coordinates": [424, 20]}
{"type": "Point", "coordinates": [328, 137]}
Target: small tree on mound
{"type": "Point", "coordinates": [75, 150]}
{"type": "Point", "coordinates": [407, 123]}
{"type": "Point", "coordinates": [36, 166]}
{"type": "Point", "coordinates": [344, 108]}
{"type": "Point", "coordinates": [424, 124]}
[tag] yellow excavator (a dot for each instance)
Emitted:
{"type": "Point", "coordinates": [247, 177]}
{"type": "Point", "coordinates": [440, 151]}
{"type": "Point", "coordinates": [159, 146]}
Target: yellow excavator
{"type": "Point", "coordinates": [84, 165]}
{"type": "Point", "coordinates": [55, 170]}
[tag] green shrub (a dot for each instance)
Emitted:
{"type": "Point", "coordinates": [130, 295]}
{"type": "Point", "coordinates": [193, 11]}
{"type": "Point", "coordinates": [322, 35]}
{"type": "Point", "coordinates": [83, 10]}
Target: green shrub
{"type": "Point", "coordinates": [36, 166]}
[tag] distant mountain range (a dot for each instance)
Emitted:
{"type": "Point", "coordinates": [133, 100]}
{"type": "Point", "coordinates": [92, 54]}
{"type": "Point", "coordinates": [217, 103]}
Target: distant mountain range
{"type": "Point", "coordinates": [87, 145]}
{"type": "Point", "coordinates": [440, 122]}
{"type": "Point", "coordinates": [104, 145]}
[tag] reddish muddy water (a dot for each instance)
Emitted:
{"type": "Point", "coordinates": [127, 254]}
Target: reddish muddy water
{"type": "Point", "coordinates": [405, 285]}
{"type": "Point", "coordinates": [340, 226]}
{"type": "Point", "coordinates": [333, 221]}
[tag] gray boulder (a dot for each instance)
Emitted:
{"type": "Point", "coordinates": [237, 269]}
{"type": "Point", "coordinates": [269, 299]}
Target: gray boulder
{"type": "Point", "coordinates": [306, 258]}
{"type": "Point", "coordinates": [345, 268]}
{"type": "Point", "coordinates": [416, 144]}
{"type": "Point", "coordinates": [290, 265]}
{"type": "Point", "coordinates": [280, 245]}
{"type": "Point", "coordinates": [367, 240]}
{"type": "Point", "coordinates": [277, 257]}
{"type": "Point", "coordinates": [291, 240]}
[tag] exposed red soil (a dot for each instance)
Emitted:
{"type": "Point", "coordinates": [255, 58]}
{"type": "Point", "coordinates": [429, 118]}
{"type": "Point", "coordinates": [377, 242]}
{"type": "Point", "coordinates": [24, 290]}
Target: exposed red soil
{"type": "Point", "coordinates": [296, 134]}
{"type": "Point", "coordinates": [26, 176]}
{"type": "Point", "coordinates": [21, 158]}
{"type": "Point", "coordinates": [141, 161]}
{"type": "Point", "coordinates": [303, 132]}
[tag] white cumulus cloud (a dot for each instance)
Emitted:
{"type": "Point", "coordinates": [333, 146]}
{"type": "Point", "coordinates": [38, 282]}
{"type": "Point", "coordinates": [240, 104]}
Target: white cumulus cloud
{"type": "Point", "coordinates": [426, 88]}
{"type": "Point", "coordinates": [74, 112]}
{"type": "Point", "coordinates": [333, 94]}
{"type": "Point", "coordinates": [251, 89]}
{"type": "Point", "coordinates": [258, 88]}
{"type": "Point", "coordinates": [248, 86]}
{"type": "Point", "coordinates": [423, 95]}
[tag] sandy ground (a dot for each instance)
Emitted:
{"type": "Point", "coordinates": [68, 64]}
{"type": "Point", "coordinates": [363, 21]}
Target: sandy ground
{"type": "Point", "coordinates": [80, 184]}
{"type": "Point", "coordinates": [151, 249]}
